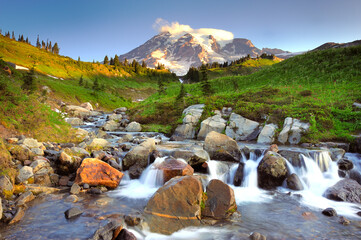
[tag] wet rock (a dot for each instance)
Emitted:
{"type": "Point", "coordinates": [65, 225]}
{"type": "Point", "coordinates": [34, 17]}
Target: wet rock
{"type": "Point", "coordinates": [176, 205]}
{"type": "Point", "coordinates": [75, 189]}
{"type": "Point", "coordinates": [221, 147]}
{"type": "Point", "coordinates": [330, 145]}
{"type": "Point", "coordinates": [107, 232]}
{"type": "Point", "coordinates": [25, 173]}
{"type": "Point", "coordinates": [344, 221]}
{"type": "Point", "coordinates": [215, 123]}
{"type": "Point", "coordinates": [346, 190]}
{"type": "Point", "coordinates": [132, 220]}
{"type": "Point", "coordinates": [174, 167]}
{"type": "Point", "coordinates": [72, 198]}
{"type": "Point", "coordinates": [273, 148]}
{"type": "Point", "coordinates": [94, 191]}
{"type": "Point", "coordinates": [87, 105]}
{"type": "Point", "coordinates": [37, 189]}
{"type": "Point", "coordinates": [238, 177]}
{"type": "Point", "coordinates": [355, 175]}
{"type": "Point", "coordinates": [86, 186]}
{"type": "Point", "coordinates": [125, 235]}
{"type": "Point", "coordinates": [272, 171]}
{"type": "Point", "coordinates": [110, 125]}
{"type": "Point", "coordinates": [63, 181]}
{"type": "Point", "coordinates": [115, 117]}
{"type": "Point", "coordinates": [292, 131]}
{"type": "Point", "coordinates": [133, 127]}
{"type": "Point", "coordinates": [128, 138]}
{"type": "Point", "coordinates": [220, 203]}
{"type": "Point", "coordinates": [257, 236]}
{"type": "Point", "coordinates": [74, 121]}
{"type": "Point", "coordinates": [293, 157]}
{"type": "Point", "coordinates": [241, 128]}
{"type": "Point", "coordinates": [96, 172]}
{"type": "Point", "coordinates": [194, 157]}
{"type": "Point", "coordinates": [309, 216]}
{"type": "Point", "coordinates": [6, 187]}
{"type": "Point", "coordinates": [20, 212]}
{"type": "Point", "coordinates": [73, 212]}
{"type": "Point", "coordinates": [98, 154]}
{"type": "Point", "coordinates": [52, 155]}
{"type": "Point", "coordinates": [24, 198]}
{"type": "Point", "coordinates": [136, 160]}
{"type": "Point", "coordinates": [337, 154]}
{"type": "Point", "coordinates": [294, 182]}
{"type": "Point", "coordinates": [114, 164]}
{"type": "Point", "coordinates": [98, 143]}
{"type": "Point", "coordinates": [267, 134]}
{"type": "Point", "coordinates": [345, 164]}
{"type": "Point", "coordinates": [329, 212]}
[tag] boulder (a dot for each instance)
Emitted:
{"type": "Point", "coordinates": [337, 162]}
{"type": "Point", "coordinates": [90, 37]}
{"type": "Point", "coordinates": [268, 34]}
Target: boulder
{"type": "Point", "coordinates": [241, 128]}
{"type": "Point", "coordinates": [329, 212]}
{"type": "Point", "coordinates": [74, 121]}
{"type": "Point", "coordinates": [6, 187]}
{"type": "Point", "coordinates": [355, 175]}
{"type": "Point", "coordinates": [107, 232]}
{"type": "Point", "coordinates": [292, 131]}
{"type": "Point", "coordinates": [257, 236]}
{"type": "Point", "coordinates": [73, 212]}
{"type": "Point", "coordinates": [346, 190]}
{"type": "Point", "coordinates": [267, 134]}
{"type": "Point", "coordinates": [110, 125]}
{"type": "Point", "coordinates": [184, 131]}
{"type": "Point", "coordinates": [41, 165]}
{"type": "Point", "coordinates": [194, 157]}
{"type": "Point", "coordinates": [136, 160]}
{"type": "Point", "coordinates": [294, 182]}
{"type": "Point", "coordinates": [220, 203]}
{"type": "Point", "coordinates": [133, 127]}
{"type": "Point", "coordinates": [75, 189]}
{"type": "Point", "coordinates": [215, 123]}
{"type": "Point", "coordinates": [98, 143]}
{"type": "Point", "coordinates": [115, 117]}
{"type": "Point", "coordinates": [293, 156]}
{"type": "Point", "coordinates": [81, 134]}
{"type": "Point", "coordinates": [345, 164]}
{"type": "Point", "coordinates": [20, 152]}
{"type": "Point", "coordinates": [25, 173]}
{"type": "Point", "coordinates": [125, 235]}
{"type": "Point", "coordinates": [337, 154]}
{"type": "Point", "coordinates": [238, 177]}
{"type": "Point", "coordinates": [77, 111]}
{"type": "Point", "coordinates": [31, 143]}
{"type": "Point", "coordinates": [176, 205]}
{"type": "Point", "coordinates": [18, 215]}
{"type": "Point", "coordinates": [87, 106]}
{"type": "Point", "coordinates": [119, 110]}
{"type": "Point", "coordinates": [68, 164]}
{"type": "Point", "coordinates": [172, 167]}
{"type": "Point", "coordinates": [272, 171]}
{"type": "Point", "coordinates": [96, 172]}
{"type": "Point", "coordinates": [24, 198]}
{"type": "Point", "coordinates": [187, 130]}
{"type": "Point", "coordinates": [221, 147]}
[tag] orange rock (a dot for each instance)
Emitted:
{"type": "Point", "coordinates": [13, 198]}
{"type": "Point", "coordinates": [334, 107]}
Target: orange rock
{"type": "Point", "coordinates": [96, 172]}
{"type": "Point", "coordinates": [173, 167]}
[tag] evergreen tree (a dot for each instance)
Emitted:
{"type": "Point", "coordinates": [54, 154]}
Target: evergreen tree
{"type": "Point", "coordinates": [161, 89]}
{"type": "Point", "coordinates": [27, 40]}
{"type": "Point", "coordinates": [81, 81]}
{"type": "Point", "coordinates": [144, 65]}
{"type": "Point", "coordinates": [13, 35]}
{"type": "Point", "coordinates": [29, 81]}
{"type": "Point", "coordinates": [55, 49]}
{"type": "Point", "coordinates": [106, 60]}
{"type": "Point", "coordinates": [96, 86]}
{"type": "Point", "coordinates": [205, 84]}
{"type": "Point", "coordinates": [116, 60]}
{"type": "Point", "coordinates": [38, 45]}
{"type": "Point", "coordinates": [111, 62]}
{"type": "Point", "coordinates": [43, 45]}
{"type": "Point", "coordinates": [50, 47]}
{"type": "Point", "coordinates": [125, 63]}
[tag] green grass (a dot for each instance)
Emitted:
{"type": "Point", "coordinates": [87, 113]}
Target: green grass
{"type": "Point", "coordinates": [317, 87]}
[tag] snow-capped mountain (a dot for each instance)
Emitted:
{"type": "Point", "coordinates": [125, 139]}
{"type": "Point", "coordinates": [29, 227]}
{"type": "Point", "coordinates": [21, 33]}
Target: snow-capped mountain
{"type": "Point", "coordinates": [181, 50]}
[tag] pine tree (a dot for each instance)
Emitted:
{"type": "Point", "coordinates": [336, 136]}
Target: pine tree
{"type": "Point", "coordinates": [81, 81]}
{"type": "Point", "coordinates": [106, 60]}
{"type": "Point", "coordinates": [116, 60]}
{"type": "Point", "coordinates": [144, 65]}
{"type": "Point", "coordinates": [38, 45]}
{"type": "Point", "coordinates": [13, 35]}
{"type": "Point", "coordinates": [111, 62]}
{"type": "Point", "coordinates": [125, 63]}
{"type": "Point", "coordinates": [50, 47]}
{"type": "Point", "coordinates": [205, 84]}
{"type": "Point", "coordinates": [27, 40]}
{"type": "Point", "coordinates": [96, 86]}
{"type": "Point", "coordinates": [43, 45]}
{"type": "Point", "coordinates": [55, 49]}
{"type": "Point", "coordinates": [79, 59]}
{"type": "Point", "coordinates": [29, 81]}
{"type": "Point", "coordinates": [161, 89]}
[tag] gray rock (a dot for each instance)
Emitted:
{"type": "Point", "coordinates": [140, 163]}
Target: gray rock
{"type": "Point", "coordinates": [184, 131]}
{"type": "Point", "coordinates": [18, 215]}
{"type": "Point", "coordinates": [110, 125]}
{"type": "Point", "coordinates": [74, 121]}
{"type": "Point", "coordinates": [25, 198]}
{"type": "Point", "coordinates": [215, 123]}
{"type": "Point", "coordinates": [272, 171]}
{"type": "Point", "coordinates": [73, 212]}
{"type": "Point", "coordinates": [75, 189]}
{"type": "Point", "coordinates": [193, 113]}
{"type": "Point", "coordinates": [292, 131]}
{"type": "Point", "coordinates": [257, 236]}
{"type": "Point", "coordinates": [40, 164]}
{"type": "Point", "coordinates": [337, 154]}
{"type": "Point", "coordinates": [355, 175]}
{"type": "Point", "coordinates": [5, 184]}
{"type": "Point", "coordinates": [221, 147]}
{"type": "Point", "coordinates": [294, 182]}
{"type": "Point", "coordinates": [133, 127]}
{"type": "Point", "coordinates": [346, 190]}
{"type": "Point", "coordinates": [356, 105]}
{"type": "Point", "coordinates": [329, 212]}
{"type": "Point", "coordinates": [71, 198]}
{"type": "Point", "coordinates": [77, 111]}
{"type": "Point", "coordinates": [37, 151]}
{"type": "Point", "coordinates": [25, 173]}
{"type": "Point", "coordinates": [238, 177]}
{"type": "Point", "coordinates": [115, 117]}
{"type": "Point", "coordinates": [241, 128]}
{"type": "Point", "coordinates": [106, 232]}
{"type": "Point", "coordinates": [345, 164]}
{"type": "Point", "coordinates": [98, 142]}
{"type": "Point", "coordinates": [267, 134]}
{"type": "Point", "coordinates": [119, 110]}
{"type": "Point", "coordinates": [87, 105]}
{"type": "Point", "coordinates": [30, 143]}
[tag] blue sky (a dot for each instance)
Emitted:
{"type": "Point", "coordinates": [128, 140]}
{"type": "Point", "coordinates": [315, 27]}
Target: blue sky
{"type": "Point", "coordinates": [92, 29]}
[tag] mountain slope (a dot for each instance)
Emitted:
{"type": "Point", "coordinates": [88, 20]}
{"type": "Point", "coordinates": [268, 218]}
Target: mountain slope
{"type": "Point", "coordinates": [337, 45]}
{"type": "Point", "coordinates": [180, 51]}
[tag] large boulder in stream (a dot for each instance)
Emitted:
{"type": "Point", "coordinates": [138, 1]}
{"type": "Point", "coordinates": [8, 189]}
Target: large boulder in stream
{"type": "Point", "coordinates": [294, 182]}
{"type": "Point", "coordinates": [272, 171]}
{"type": "Point", "coordinates": [215, 123]}
{"type": "Point", "coordinates": [176, 205]}
{"type": "Point", "coordinates": [95, 172]}
{"type": "Point", "coordinates": [241, 128]}
{"type": "Point", "coordinates": [220, 203]}
{"type": "Point", "coordinates": [346, 190]}
{"type": "Point", "coordinates": [133, 127]}
{"type": "Point", "coordinates": [136, 160]}
{"type": "Point", "coordinates": [221, 147]}
{"type": "Point", "coordinates": [172, 167]}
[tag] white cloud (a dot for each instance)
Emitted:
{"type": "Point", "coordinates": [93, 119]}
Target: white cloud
{"type": "Point", "coordinates": [176, 28]}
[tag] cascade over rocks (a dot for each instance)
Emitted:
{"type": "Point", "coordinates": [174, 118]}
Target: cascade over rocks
{"type": "Point", "coordinates": [221, 147]}
{"type": "Point", "coordinates": [346, 190]}
{"type": "Point", "coordinates": [136, 160]}
{"type": "Point", "coordinates": [241, 128]}
{"type": "Point", "coordinates": [194, 157]}
{"type": "Point", "coordinates": [267, 134]}
{"type": "Point", "coordinates": [220, 203]}
{"type": "Point", "coordinates": [187, 130]}
{"type": "Point", "coordinates": [272, 171]}
{"type": "Point", "coordinates": [176, 205]}
{"type": "Point", "coordinates": [292, 131]}
{"type": "Point", "coordinates": [172, 167]}
{"type": "Point", "coordinates": [95, 172]}
{"type": "Point", "coordinates": [215, 123]}
{"type": "Point", "coordinates": [238, 177]}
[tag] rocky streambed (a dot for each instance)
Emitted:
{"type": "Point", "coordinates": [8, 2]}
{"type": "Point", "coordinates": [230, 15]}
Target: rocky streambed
{"type": "Point", "coordinates": [123, 183]}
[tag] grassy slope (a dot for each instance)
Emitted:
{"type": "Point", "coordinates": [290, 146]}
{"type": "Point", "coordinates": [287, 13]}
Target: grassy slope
{"type": "Point", "coordinates": [317, 87]}
{"type": "Point", "coordinates": [117, 81]}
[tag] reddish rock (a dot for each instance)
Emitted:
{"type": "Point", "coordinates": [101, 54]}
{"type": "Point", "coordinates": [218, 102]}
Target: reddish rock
{"type": "Point", "coordinates": [173, 167]}
{"type": "Point", "coordinates": [309, 216]}
{"type": "Point", "coordinates": [220, 203]}
{"type": "Point", "coordinates": [176, 205]}
{"type": "Point", "coordinates": [63, 181]}
{"type": "Point", "coordinates": [96, 172]}
{"type": "Point", "coordinates": [273, 148]}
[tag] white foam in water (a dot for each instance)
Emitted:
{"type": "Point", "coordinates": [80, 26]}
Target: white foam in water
{"type": "Point", "coordinates": [191, 233]}
{"type": "Point", "coordinates": [217, 170]}
{"type": "Point", "coordinates": [144, 187]}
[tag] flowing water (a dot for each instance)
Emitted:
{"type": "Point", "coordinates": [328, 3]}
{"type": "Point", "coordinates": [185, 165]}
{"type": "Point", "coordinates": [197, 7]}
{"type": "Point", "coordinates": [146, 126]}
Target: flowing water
{"type": "Point", "coordinates": [278, 214]}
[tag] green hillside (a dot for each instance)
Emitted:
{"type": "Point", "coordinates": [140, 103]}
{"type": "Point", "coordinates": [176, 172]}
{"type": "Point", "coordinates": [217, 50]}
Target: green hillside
{"type": "Point", "coordinates": [318, 87]}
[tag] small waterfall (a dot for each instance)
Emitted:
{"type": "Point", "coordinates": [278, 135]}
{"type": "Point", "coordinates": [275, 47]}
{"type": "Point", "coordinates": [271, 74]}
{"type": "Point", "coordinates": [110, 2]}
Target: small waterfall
{"type": "Point", "coordinates": [152, 176]}
{"type": "Point", "coordinates": [323, 159]}
{"type": "Point", "coordinates": [250, 178]}
{"type": "Point", "coordinates": [217, 170]}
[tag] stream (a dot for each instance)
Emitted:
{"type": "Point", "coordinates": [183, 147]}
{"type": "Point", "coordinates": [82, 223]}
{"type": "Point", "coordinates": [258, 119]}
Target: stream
{"type": "Point", "coordinates": [277, 214]}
